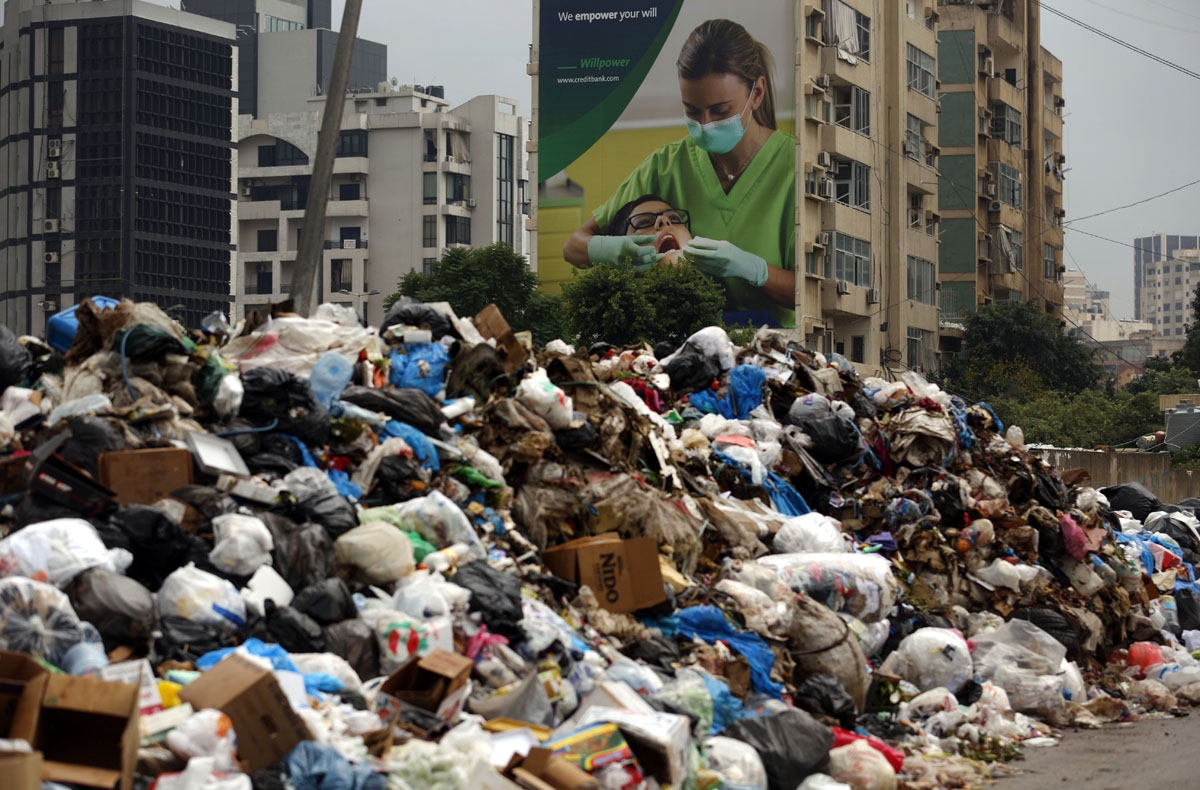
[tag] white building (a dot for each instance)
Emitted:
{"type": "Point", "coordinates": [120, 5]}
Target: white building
{"type": "Point", "coordinates": [412, 177]}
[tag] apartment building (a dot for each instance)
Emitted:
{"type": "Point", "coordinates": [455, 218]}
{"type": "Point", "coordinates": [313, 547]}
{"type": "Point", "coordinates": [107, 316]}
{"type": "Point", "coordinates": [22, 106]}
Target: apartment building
{"type": "Point", "coordinates": [1002, 168]}
{"type": "Point", "coordinates": [117, 158]}
{"type": "Point", "coordinates": [413, 176]}
{"type": "Point", "coordinates": [1166, 271]}
{"type": "Point", "coordinates": [868, 163]}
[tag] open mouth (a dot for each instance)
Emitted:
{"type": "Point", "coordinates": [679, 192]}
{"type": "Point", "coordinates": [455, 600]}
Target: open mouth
{"type": "Point", "coordinates": [667, 243]}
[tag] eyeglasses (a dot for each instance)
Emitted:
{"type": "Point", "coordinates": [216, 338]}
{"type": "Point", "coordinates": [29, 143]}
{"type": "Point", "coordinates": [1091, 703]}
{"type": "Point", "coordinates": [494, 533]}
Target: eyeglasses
{"type": "Point", "coordinates": [676, 216]}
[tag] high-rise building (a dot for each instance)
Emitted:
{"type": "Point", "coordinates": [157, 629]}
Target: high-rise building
{"type": "Point", "coordinates": [413, 176]}
{"type": "Point", "coordinates": [1165, 273]}
{"type": "Point", "coordinates": [117, 158]}
{"type": "Point", "coordinates": [1000, 129]}
{"type": "Point", "coordinates": [285, 52]}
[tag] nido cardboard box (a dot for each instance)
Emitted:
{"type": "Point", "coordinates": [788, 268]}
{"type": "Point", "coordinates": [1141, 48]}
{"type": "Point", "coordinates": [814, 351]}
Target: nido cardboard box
{"type": "Point", "coordinates": [624, 574]}
{"type": "Point", "coordinates": [266, 725]}
{"type": "Point", "coordinates": [87, 732]}
{"type": "Point", "coordinates": [142, 477]}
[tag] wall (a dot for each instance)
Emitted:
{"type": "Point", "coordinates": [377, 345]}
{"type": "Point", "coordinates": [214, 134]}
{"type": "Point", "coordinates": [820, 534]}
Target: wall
{"type": "Point", "coordinates": [1153, 470]}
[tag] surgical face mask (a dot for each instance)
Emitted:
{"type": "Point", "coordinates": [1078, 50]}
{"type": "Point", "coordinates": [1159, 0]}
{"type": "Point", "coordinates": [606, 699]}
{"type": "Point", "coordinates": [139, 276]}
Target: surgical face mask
{"type": "Point", "coordinates": [719, 137]}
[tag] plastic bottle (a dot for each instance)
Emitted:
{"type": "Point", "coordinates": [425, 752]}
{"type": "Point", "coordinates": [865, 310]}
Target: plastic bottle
{"type": "Point", "coordinates": [449, 557]}
{"type": "Point", "coordinates": [330, 377]}
{"type": "Point", "coordinates": [88, 656]}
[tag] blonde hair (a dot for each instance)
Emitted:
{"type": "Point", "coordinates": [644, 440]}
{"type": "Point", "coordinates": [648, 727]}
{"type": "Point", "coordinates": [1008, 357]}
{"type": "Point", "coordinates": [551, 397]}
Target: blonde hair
{"type": "Point", "coordinates": [720, 46]}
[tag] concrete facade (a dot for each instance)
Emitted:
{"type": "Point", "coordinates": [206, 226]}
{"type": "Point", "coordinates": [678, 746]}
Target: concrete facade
{"type": "Point", "coordinates": [117, 162]}
{"type": "Point", "coordinates": [1166, 274]}
{"type": "Point", "coordinates": [413, 177]}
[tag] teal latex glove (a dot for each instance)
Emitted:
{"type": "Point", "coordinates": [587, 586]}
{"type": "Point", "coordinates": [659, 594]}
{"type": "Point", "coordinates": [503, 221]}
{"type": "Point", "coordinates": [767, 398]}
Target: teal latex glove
{"type": "Point", "coordinates": [618, 249]}
{"type": "Point", "coordinates": [722, 259]}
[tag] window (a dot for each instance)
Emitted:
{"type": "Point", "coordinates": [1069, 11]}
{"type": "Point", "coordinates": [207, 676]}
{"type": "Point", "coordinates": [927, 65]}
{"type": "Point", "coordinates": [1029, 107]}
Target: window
{"type": "Point", "coordinates": [427, 265]}
{"type": "Point", "coordinates": [268, 240]}
{"type": "Point", "coordinates": [287, 154]}
{"type": "Point", "coordinates": [56, 51]}
{"type": "Point", "coordinates": [852, 184]}
{"type": "Point", "coordinates": [504, 189]}
{"type": "Point", "coordinates": [817, 109]}
{"type": "Point", "coordinates": [848, 30]}
{"type": "Point", "coordinates": [1179, 305]}
{"type": "Point", "coordinates": [922, 281]}
{"type": "Point", "coordinates": [1050, 262]}
{"type": "Point", "coordinates": [458, 230]}
{"type": "Point", "coordinates": [1006, 123]}
{"type": "Point", "coordinates": [429, 231]}
{"type": "Point", "coordinates": [339, 275]}
{"type": "Point", "coordinates": [916, 347]}
{"type": "Point", "coordinates": [912, 137]}
{"type": "Point", "coordinates": [1010, 184]}
{"type": "Point", "coordinates": [862, 24]}
{"type": "Point", "coordinates": [852, 262]}
{"type": "Point", "coordinates": [350, 233]}
{"type": "Point", "coordinates": [852, 108]}
{"type": "Point", "coordinates": [429, 190]}
{"type": "Point", "coordinates": [352, 143]}
{"type": "Point", "coordinates": [430, 145]}
{"type": "Point", "coordinates": [349, 191]}
{"type": "Point", "coordinates": [1016, 240]}
{"type": "Point", "coordinates": [274, 24]}
{"type": "Point", "coordinates": [920, 72]}
{"type": "Point", "coordinates": [458, 188]}
{"type": "Point", "coordinates": [858, 348]}
{"type": "Point", "coordinates": [1166, 319]}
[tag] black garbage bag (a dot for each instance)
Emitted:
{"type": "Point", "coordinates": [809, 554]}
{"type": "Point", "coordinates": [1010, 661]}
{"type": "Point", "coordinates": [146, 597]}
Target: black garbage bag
{"type": "Point", "coordinates": [244, 435]}
{"type": "Point", "coordinates": [158, 544]}
{"type": "Point", "coordinates": [16, 364]}
{"type": "Point", "coordinates": [209, 502]}
{"type": "Point", "coordinates": [657, 651]}
{"type": "Point", "coordinates": [303, 553]}
{"type": "Point", "coordinates": [121, 609]}
{"type": "Point", "coordinates": [355, 641]}
{"type": "Point", "coordinates": [273, 394]}
{"type": "Point", "coordinates": [834, 439]}
{"type": "Point", "coordinates": [823, 694]}
{"type": "Point", "coordinates": [690, 371]}
{"type": "Point", "coordinates": [410, 312]}
{"type": "Point", "coordinates": [91, 436]}
{"type": "Point", "coordinates": [475, 371]}
{"type": "Point", "coordinates": [328, 601]}
{"type": "Point", "coordinates": [496, 595]}
{"type": "Point", "coordinates": [184, 640]}
{"type": "Point", "coordinates": [269, 463]}
{"type": "Point", "coordinates": [1187, 602]}
{"type": "Point", "coordinates": [34, 508]}
{"type": "Point", "coordinates": [792, 744]}
{"type": "Point", "coordinates": [294, 631]}
{"type": "Point", "coordinates": [1178, 532]}
{"type": "Point", "coordinates": [331, 510]}
{"type": "Point", "coordinates": [408, 405]}
{"type": "Point", "coordinates": [396, 476]}
{"type": "Point", "coordinates": [1058, 625]}
{"type": "Point", "coordinates": [576, 438]}
{"type": "Point", "coordinates": [1134, 497]}
{"type": "Point", "coordinates": [146, 342]}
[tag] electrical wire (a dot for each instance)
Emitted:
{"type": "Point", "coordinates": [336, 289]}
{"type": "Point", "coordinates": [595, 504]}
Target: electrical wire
{"type": "Point", "coordinates": [1136, 203]}
{"type": "Point", "coordinates": [1172, 8]}
{"type": "Point", "coordinates": [1154, 22]}
{"type": "Point", "coordinates": [1120, 42]}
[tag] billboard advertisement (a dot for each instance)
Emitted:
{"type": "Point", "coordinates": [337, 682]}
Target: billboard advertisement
{"type": "Point", "coordinates": [666, 131]}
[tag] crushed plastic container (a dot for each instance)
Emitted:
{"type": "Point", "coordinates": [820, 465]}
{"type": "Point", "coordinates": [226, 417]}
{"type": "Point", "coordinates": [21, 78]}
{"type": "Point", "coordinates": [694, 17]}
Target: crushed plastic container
{"type": "Point", "coordinates": [61, 328]}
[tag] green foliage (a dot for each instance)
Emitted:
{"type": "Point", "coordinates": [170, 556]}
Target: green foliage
{"type": "Point", "coordinates": [1015, 350]}
{"type": "Point", "coordinates": [617, 305]}
{"type": "Point", "coordinates": [472, 278]}
{"type": "Point", "coordinates": [1158, 380]}
{"type": "Point", "coordinates": [1087, 419]}
{"type": "Point", "coordinates": [1189, 356]}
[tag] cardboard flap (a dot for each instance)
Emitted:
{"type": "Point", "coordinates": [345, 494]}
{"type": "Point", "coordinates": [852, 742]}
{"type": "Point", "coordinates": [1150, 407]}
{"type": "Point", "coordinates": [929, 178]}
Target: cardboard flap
{"type": "Point", "coordinates": [68, 773]}
{"type": "Point", "coordinates": [21, 770]}
{"type": "Point", "coordinates": [91, 695]}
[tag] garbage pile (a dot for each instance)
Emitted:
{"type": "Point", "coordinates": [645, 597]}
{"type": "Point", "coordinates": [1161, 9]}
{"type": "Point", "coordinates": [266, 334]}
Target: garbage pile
{"type": "Point", "coordinates": [425, 556]}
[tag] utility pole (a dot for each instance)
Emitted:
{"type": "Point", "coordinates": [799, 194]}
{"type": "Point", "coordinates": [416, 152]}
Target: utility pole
{"type": "Point", "coordinates": [312, 242]}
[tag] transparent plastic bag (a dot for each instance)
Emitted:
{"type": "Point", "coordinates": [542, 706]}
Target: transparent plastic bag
{"type": "Point", "coordinates": [1020, 644]}
{"type": "Point", "coordinates": [811, 533]}
{"type": "Point", "coordinates": [427, 594]}
{"type": "Point", "coordinates": [402, 636]}
{"type": "Point", "coordinates": [37, 619]}
{"type": "Point", "coordinates": [546, 400]}
{"type": "Point", "coordinates": [858, 584]}
{"type": "Point", "coordinates": [859, 765]}
{"type": "Point", "coordinates": [441, 522]}
{"type": "Point", "coordinates": [243, 544]}
{"type": "Point", "coordinates": [932, 658]}
{"type": "Point", "coordinates": [57, 550]}
{"type": "Point", "coordinates": [201, 597]}
{"type": "Point", "coordinates": [736, 763]}
{"type": "Point", "coordinates": [688, 692]}
{"type": "Point", "coordinates": [379, 552]}
{"type": "Point", "coordinates": [206, 733]}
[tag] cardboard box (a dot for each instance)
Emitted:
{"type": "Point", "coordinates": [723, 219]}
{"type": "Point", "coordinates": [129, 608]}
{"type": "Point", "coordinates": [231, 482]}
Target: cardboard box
{"type": "Point", "coordinates": [544, 770]}
{"type": "Point", "coordinates": [266, 725]}
{"type": "Point", "coordinates": [491, 324]}
{"type": "Point", "coordinates": [624, 574]}
{"type": "Point", "coordinates": [429, 681]}
{"type": "Point", "coordinates": [22, 686]}
{"type": "Point", "coordinates": [142, 477]}
{"type": "Point", "coordinates": [88, 732]}
{"type": "Point", "coordinates": [21, 770]}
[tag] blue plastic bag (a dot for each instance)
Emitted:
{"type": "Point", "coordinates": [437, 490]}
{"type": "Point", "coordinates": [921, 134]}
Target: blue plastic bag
{"type": "Point", "coordinates": [423, 449]}
{"type": "Point", "coordinates": [708, 623]}
{"type": "Point", "coordinates": [423, 367]}
{"type": "Point", "coordinates": [746, 384]}
{"type": "Point", "coordinates": [316, 766]}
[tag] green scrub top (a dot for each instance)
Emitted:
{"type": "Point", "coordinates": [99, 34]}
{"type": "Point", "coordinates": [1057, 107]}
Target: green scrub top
{"type": "Point", "coordinates": [758, 214]}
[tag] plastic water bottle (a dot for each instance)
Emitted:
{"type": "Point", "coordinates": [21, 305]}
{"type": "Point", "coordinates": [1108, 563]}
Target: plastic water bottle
{"type": "Point", "coordinates": [444, 559]}
{"type": "Point", "coordinates": [330, 377]}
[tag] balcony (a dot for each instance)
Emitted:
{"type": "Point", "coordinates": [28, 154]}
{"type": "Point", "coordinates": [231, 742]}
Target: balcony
{"type": "Point", "coordinates": [1000, 89]}
{"type": "Point", "coordinates": [249, 210]}
{"type": "Point", "coordinates": [257, 288]}
{"type": "Point", "coordinates": [348, 165]}
{"type": "Point", "coordinates": [346, 244]}
{"type": "Point", "coordinates": [1003, 33]}
{"type": "Point", "coordinates": [347, 208]}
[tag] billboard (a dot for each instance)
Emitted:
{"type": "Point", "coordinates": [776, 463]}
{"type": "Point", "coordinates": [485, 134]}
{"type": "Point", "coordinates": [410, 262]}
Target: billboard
{"type": "Point", "coordinates": [692, 102]}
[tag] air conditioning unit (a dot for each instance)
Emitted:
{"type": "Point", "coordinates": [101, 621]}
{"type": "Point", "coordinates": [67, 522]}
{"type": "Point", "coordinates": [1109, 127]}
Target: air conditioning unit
{"type": "Point", "coordinates": [989, 66]}
{"type": "Point", "coordinates": [872, 296]}
{"type": "Point", "coordinates": [843, 287]}
{"type": "Point", "coordinates": [245, 191]}
{"type": "Point", "coordinates": [821, 81]}
{"type": "Point", "coordinates": [54, 148]}
{"type": "Point", "coordinates": [52, 170]}
{"type": "Point", "coordinates": [825, 190]}
{"type": "Point", "coordinates": [825, 160]}
{"type": "Point", "coordinates": [825, 239]}
{"type": "Point", "coordinates": [47, 306]}
{"type": "Point", "coordinates": [49, 257]}
{"type": "Point", "coordinates": [994, 207]}
{"type": "Point", "coordinates": [470, 202]}
{"type": "Point", "coordinates": [908, 149]}
{"type": "Point", "coordinates": [49, 226]}
{"type": "Point", "coordinates": [990, 190]}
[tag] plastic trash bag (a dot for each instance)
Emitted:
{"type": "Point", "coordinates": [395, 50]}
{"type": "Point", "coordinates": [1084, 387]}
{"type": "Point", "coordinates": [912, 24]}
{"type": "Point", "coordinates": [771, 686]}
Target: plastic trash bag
{"type": "Point", "coordinates": [791, 744]}
{"type": "Point", "coordinates": [91, 436]}
{"type": "Point", "coordinates": [810, 533]}
{"type": "Point", "coordinates": [37, 619]}
{"type": "Point", "coordinates": [243, 544]}
{"type": "Point", "coordinates": [691, 371]}
{"type": "Point", "coordinates": [354, 640]}
{"type": "Point", "coordinates": [328, 601]}
{"type": "Point", "coordinates": [206, 733]}
{"type": "Point", "coordinates": [496, 595]}
{"type": "Point", "coordinates": [121, 609]}
{"type": "Point", "coordinates": [201, 597]}
{"type": "Point", "coordinates": [184, 640]}
{"type": "Point", "coordinates": [427, 594]}
{"type": "Point", "coordinates": [411, 406]}
{"type": "Point", "coordinates": [199, 775]}
{"type": "Point", "coordinates": [294, 631]}
{"type": "Point", "coordinates": [318, 501]}
{"type": "Point", "coordinates": [16, 364]}
{"type": "Point", "coordinates": [421, 366]}
{"type": "Point", "coordinates": [862, 767]}
{"type": "Point", "coordinates": [402, 636]}
{"type": "Point", "coordinates": [546, 400]}
{"type": "Point", "coordinates": [442, 522]}
{"type": "Point", "coordinates": [409, 312]}
{"type": "Point", "coordinates": [377, 552]}
{"type": "Point", "coordinates": [857, 584]}
{"type": "Point", "coordinates": [823, 642]}
{"type": "Point", "coordinates": [823, 694]}
{"type": "Point", "coordinates": [932, 658]}
{"type": "Point", "coordinates": [303, 553]}
{"type": "Point", "coordinates": [57, 551]}
{"type": "Point", "coordinates": [1019, 644]}
{"type": "Point", "coordinates": [275, 396]}
{"type": "Point", "coordinates": [318, 766]}
{"type": "Point", "coordinates": [158, 544]}
{"type": "Point", "coordinates": [710, 625]}
{"type": "Point", "coordinates": [1134, 498]}
{"type": "Point", "coordinates": [736, 763]}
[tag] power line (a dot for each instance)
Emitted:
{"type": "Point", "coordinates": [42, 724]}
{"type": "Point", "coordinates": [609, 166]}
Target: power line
{"type": "Point", "coordinates": [1154, 22]}
{"type": "Point", "coordinates": [1136, 203]}
{"type": "Point", "coordinates": [1172, 8]}
{"type": "Point", "coordinates": [1121, 42]}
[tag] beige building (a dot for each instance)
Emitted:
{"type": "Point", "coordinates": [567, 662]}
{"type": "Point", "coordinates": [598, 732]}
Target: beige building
{"type": "Point", "coordinates": [1002, 163]}
{"type": "Point", "coordinates": [413, 176]}
{"type": "Point", "coordinates": [1166, 286]}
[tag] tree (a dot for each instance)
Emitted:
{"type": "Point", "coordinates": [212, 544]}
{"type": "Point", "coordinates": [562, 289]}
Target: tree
{"type": "Point", "coordinates": [472, 278]}
{"type": "Point", "coordinates": [617, 305]}
{"type": "Point", "coordinates": [1189, 356]}
{"type": "Point", "coordinates": [1014, 349]}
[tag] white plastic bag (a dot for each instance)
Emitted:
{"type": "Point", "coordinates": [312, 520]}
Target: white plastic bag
{"type": "Point", "coordinates": [60, 549]}
{"type": "Point", "coordinates": [932, 658]}
{"type": "Point", "coordinates": [862, 767]}
{"type": "Point", "coordinates": [736, 762]}
{"type": "Point", "coordinates": [858, 584]}
{"type": "Point", "coordinates": [266, 583]}
{"type": "Point", "coordinates": [401, 636]}
{"type": "Point", "coordinates": [199, 775]}
{"type": "Point", "coordinates": [546, 400]}
{"type": "Point", "coordinates": [1020, 644]}
{"type": "Point", "coordinates": [207, 733]}
{"type": "Point", "coordinates": [441, 522]}
{"type": "Point", "coordinates": [201, 597]}
{"type": "Point", "coordinates": [243, 544]}
{"type": "Point", "coordinates": [427, 594]}
{"type": "Point", "coordinates": [380, 552]}
{"type": "Point", "coordinates": [811, 533]}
